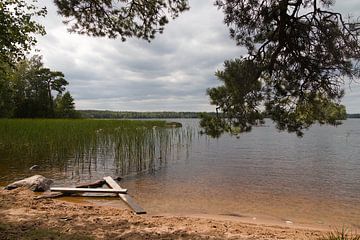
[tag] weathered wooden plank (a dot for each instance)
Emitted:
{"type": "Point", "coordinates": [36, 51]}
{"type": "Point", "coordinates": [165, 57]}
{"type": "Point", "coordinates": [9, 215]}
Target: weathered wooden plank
{"type": "Point", "coordinates": [125, 197]}
{"type": "Point", "coordinates": [87, 190]}
{"type": "Point", "coordinates": [112, 183]}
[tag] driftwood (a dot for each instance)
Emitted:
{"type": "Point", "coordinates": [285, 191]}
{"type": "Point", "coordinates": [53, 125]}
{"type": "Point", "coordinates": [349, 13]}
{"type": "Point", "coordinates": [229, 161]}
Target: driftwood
{"type": "Point", "coordinates": [92, 188]}
{"type": "Point", "coordinates": [96, 184]}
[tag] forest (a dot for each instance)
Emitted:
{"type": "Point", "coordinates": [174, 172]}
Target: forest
{"type": "Point", "coordinates": [30, 90]}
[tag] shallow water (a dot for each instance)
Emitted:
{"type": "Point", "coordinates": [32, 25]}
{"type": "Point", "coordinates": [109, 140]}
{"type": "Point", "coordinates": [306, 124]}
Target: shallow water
{"type": "Point", "coordinates": [265, 174]}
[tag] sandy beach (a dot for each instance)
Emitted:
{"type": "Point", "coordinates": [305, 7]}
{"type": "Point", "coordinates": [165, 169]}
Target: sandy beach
{"type": "Point", "coordinates": [22, 216]}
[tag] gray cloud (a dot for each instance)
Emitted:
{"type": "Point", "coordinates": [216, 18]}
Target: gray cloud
{"type": "Point", "coordinates": [170, 73]}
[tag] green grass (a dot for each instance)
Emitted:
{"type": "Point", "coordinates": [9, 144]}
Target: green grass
{"type": "Point", "coordinates": [132, 145]}
{"type": "Point", "coordinates": [343, 234]}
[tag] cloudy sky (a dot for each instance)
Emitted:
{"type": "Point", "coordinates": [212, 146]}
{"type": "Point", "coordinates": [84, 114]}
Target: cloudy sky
{"type": "Point", "coordinates": [171, 73]}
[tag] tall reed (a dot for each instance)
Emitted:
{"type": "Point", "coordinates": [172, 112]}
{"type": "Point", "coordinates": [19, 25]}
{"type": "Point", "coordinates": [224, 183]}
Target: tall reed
{"type": "Point", "coordinates": [82, 147]}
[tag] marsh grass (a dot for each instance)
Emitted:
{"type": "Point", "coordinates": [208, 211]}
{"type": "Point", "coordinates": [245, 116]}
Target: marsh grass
{"type": "Point", "coordinates": [343, 234]}
{"type": "Point", "coordinates": [79, 146]}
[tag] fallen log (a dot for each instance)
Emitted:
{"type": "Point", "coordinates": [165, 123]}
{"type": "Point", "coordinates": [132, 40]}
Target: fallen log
{"type": "Point", "coordinates": [96, 184]}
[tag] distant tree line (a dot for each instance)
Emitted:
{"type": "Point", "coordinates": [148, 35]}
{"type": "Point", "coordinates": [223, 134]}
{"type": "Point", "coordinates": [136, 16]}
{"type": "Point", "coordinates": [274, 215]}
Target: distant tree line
{"type": "Point", "coordinates": [106, 114]}
{"type": "Point", "coordinates": [355, 115]}
{"type": "Point", "coordinates": [136, 115]}
{"type": "Point", "coordinates": [29, 90]}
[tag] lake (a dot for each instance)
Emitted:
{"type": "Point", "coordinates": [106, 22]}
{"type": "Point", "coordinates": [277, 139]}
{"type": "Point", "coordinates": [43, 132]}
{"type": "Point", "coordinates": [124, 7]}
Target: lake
{"type": "Point", "coordinates": [263, 176]}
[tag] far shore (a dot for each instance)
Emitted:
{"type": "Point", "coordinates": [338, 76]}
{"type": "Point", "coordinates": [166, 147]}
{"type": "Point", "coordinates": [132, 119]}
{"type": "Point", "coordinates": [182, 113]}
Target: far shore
{"type": "Point", "coordinates": [22, 217]}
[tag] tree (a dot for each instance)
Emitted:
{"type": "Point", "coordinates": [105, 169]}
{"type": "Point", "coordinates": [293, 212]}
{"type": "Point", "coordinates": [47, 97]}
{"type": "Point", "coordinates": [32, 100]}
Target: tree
{"type": "Point", "coordinates": [299, 54]}
{"type": "Point", "coordinates": [33, 87]}
{"type": "Point", "coordinates": [54, 81]}
{"type": "Point", "coordinates": [125, 18]}
{"type": "Point", "coordinates": [17, 28]}
{"type": "Point", "coordinates": [6, 100]}
{"type": "Point", "coordinates": [27, 90]}
{"type": "Point", "coordinates": [65, 106]}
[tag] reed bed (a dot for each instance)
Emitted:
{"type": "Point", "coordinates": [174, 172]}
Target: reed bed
{"type": "Point", "coordinates": [83, 146]}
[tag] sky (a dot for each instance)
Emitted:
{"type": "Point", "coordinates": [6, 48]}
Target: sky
{"type": "Point", "coordinates": [171, 73]}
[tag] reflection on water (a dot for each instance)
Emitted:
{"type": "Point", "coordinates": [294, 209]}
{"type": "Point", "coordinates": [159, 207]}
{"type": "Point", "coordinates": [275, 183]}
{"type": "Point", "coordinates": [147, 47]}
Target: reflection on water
{"type": "Point", "coordinates": [124, 156]}
{"type": "Point", "coordinates": [265, 173]}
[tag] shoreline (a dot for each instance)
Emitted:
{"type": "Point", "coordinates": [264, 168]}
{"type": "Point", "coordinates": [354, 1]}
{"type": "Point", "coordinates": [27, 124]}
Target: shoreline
{"type": "Point", "coordinates": [266, 220]}
{"type": "Point", "coordinates": [23, 214]}
{"type": "Point", "coordinates": [259, 221]}
{"type": "Point", "coordinates": [249, 218]}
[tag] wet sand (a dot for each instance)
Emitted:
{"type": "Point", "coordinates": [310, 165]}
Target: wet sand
{"type": "Point", "coordinates": [22, 212]}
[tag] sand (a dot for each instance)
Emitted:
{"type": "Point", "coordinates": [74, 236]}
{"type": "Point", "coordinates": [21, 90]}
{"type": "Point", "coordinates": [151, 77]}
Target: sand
{"type": "Point", "coordinates": [20, 212]}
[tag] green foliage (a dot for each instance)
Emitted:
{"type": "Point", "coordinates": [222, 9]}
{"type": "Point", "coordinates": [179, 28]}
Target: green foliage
{"type": "Point", "coordinates": [214, 126]}
{"type": "Point", "coordinates": [33, 86]}
{"type": "Point", "coordinates": [126, 18]}
{"type": "Point", "coordinates": [238, 98]}
{"type": "Point", "coordinates": [313, 109]}
{"type": "Point", "coordinates": [65, 106]}
{"type": "Point", "coordinates": [26, 90]}
{"type": "Point", "coordinates": [299, 53]}
{"type": "Point", "coordinates": [17, 28]}
{"type": "Point", "coordinates": [6, 102]}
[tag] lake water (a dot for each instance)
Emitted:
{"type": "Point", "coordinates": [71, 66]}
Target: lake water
{"type": "Point", "coordinates": [265, 175]}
